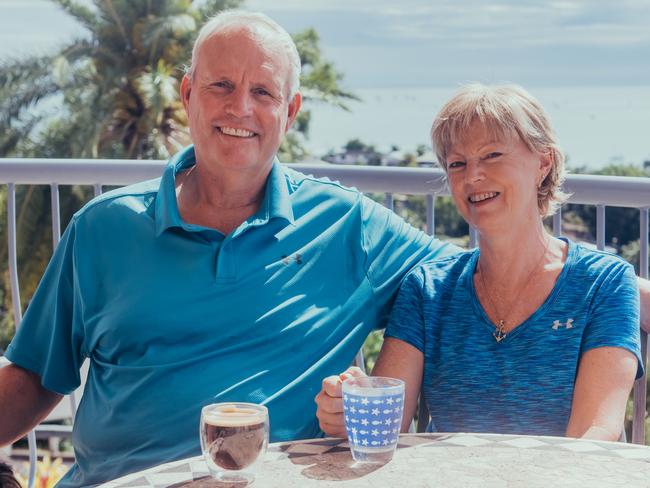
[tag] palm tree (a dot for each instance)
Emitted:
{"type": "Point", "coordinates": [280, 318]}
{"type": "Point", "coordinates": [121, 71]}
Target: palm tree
{"type": "Point", "coordinates": [114, 94]}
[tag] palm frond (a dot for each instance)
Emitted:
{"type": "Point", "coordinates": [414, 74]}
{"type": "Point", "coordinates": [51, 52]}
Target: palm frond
{"type": "Point", "coordinates": [13, 134]}
{"type": "Point", "coordinates": [307, 43]}
{"type": "Point", "coordinates": [16, 71]}
{"type": "Point", "coordinates": [212, 7]}
{"type": "Point", "coordinates": [79, 49]}
{"type": "Point", "coordinates": [108, 6]}
{"type": "Point", "coordinates": [161, 32]}
{"type": "Point", "coordinates": [321, 83]}
{"type": "Point", "coordinates": [81, 13]}
{"type": "Point", "coordinates": [23, 84]}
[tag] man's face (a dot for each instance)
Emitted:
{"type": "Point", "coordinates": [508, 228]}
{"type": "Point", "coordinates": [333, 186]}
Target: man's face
{"type": "Point", "coordinates": [237, 102]}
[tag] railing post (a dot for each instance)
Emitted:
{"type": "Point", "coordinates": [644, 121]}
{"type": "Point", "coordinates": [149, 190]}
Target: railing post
{"type": "Point", "coordinates": [56, 237]}
{"type": "Point", "coordinates": [640, 385]}
{"type": "Point", "coordinates": [17, 309]}
{"type": "Point", "coordinates": [557, 223]}
{"type": "Point", "coordinates": [389, 201]}
{"type": "Point", "coordinates": [359, 360]}
{"type": "Point", "coordinates": [431, 215]}
{"type": "Point", "coordinates": [600, 227]}
{"type": "Point", "coordinates": [56, 215]}
{"type": "Point", "coordinates": [473, 237]}
{"type": "Point", "coordinates": [13, 255]}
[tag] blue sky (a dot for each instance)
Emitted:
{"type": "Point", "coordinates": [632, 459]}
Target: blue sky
{"type": "Point", "coordinates": [434, 43]}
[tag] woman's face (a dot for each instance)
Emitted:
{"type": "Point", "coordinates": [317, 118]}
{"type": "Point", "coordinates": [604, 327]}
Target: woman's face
{"type": "Point", "coordinates": [494, 181]}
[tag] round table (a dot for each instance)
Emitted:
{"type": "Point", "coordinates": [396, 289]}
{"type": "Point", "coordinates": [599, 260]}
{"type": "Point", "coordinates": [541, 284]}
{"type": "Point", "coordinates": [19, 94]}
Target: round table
{"type": "Point", "coordinates": [429, 460]}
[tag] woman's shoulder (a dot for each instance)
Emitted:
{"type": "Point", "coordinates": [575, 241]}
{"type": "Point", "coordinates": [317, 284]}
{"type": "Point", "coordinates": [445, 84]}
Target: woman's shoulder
{"type": "Point", "coordinates": [594, 262]}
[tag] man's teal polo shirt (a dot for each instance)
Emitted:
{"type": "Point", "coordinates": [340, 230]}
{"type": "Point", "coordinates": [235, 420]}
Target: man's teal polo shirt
{"type": "Point", "coordinates": [174, 316]}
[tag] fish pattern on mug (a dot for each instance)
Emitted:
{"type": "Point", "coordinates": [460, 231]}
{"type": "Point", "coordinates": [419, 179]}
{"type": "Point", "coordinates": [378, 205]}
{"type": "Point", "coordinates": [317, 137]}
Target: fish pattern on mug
{"type": "Point", "coordinates": [373, 421]}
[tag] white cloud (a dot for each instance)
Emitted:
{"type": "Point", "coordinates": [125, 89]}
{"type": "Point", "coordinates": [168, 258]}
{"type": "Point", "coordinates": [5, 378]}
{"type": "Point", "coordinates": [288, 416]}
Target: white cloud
{"type": "Point", "coordinates": [308, 5]}
{"type": "Point", "coordinates": [466, 22]}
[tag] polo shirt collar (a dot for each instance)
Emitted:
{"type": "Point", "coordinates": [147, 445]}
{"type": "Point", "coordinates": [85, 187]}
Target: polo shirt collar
{"type": "Point", "coordinates": [276, 202]}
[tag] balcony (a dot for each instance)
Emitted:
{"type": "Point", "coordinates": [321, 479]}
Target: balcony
{"type": "Point", "coordinates": [600, 191]}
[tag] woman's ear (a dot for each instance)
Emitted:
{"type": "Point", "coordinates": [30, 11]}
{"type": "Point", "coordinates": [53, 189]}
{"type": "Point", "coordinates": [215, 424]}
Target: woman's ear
{"type": "Point", "coordinates": [546, 162]}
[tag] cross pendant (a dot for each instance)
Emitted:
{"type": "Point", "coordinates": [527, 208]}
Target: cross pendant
{"type": "Point", "coordinates": [499, 333]}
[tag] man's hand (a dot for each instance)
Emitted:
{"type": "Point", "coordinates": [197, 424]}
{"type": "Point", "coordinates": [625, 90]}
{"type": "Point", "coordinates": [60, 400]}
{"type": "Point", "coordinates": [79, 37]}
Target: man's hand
{"type": "Point", "coordinates": [330, 403]}
{"type": "Point", "coordinates": [24, 402]}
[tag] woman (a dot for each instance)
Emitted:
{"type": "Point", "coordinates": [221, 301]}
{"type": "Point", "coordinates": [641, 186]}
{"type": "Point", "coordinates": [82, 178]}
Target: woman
{"type": "Point", "coordinates": [529, 333]}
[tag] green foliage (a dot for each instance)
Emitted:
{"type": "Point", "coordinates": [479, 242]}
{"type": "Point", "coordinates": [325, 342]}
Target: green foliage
{"type": "Point", "coordinates": [371, 348]}
{"type": "Point", "coordinates": [421, 149]}
{"type": "Point", "coordinates": [448, 220]}
{"type": "Point", "coordinates": [617, 170]}
{"type": "Point", "coordinates": [621, 224]}
{"type": "Point", "coordinates": [357, 145]}
{"type": "Point", "coordinates": [292, 147]}
{"type": "Point", "coordinates": [631, 252]}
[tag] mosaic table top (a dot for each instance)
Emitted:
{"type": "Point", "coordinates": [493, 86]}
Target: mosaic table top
{"type": "Point", "coordinates": [429, 460]}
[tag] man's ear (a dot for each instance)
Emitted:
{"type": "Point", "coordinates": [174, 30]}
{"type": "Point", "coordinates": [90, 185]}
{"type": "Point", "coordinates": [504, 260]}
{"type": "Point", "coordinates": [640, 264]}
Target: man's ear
{"type": "Point", "coordinates": [293, 109]}
{"type": "Point", "coordinates": [186, 89]}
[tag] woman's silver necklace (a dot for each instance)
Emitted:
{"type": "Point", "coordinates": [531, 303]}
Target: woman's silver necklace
{"type": "Point", "coordinates": [499, 329]}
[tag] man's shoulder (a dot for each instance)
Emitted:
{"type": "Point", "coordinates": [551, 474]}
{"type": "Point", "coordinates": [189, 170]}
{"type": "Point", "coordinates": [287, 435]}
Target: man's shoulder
{"type": "Point", "coordinates": [135, 198]}
{"type": "Point", "coordinates": [323, 186]}
{"type": "Point", "coordinates": [456, 260]}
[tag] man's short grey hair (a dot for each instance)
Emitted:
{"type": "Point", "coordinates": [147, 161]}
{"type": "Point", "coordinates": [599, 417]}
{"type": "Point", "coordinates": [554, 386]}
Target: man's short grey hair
{"type": "Point", "coordinates": [240, 18]}
{"type": "Point", "coordinates": [505, 110]}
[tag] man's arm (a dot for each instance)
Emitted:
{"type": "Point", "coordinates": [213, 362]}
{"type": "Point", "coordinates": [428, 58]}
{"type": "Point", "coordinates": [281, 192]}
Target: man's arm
{"type": "Point", "coordinates": [24, 402]}
{"type": "Point", "coordinates": [644, 297]}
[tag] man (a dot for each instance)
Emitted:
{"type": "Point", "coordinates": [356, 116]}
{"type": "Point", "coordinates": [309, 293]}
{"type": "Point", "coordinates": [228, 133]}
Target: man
{"type": "Point", "coordinates": [230, 278]}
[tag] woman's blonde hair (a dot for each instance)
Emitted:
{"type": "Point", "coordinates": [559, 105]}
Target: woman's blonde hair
{"type": "Point", "coordinates": [505, 110]}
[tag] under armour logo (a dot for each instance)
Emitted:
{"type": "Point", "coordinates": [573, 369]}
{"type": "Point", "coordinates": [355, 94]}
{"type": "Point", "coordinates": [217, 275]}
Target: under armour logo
{"type": "Point", "coordinates": [567, 325]}
{"type": "Point", "coordinates": [297, 258]}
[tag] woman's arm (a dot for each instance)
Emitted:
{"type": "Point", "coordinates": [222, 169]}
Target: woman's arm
{"type": "Point", "coordinates": [605, 378]}
{"type": "Point", "coordinates": [399, 359]}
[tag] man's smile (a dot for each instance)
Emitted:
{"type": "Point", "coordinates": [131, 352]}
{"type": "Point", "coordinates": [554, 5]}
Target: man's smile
{"type": "Point", "coordinates": [231, 131]}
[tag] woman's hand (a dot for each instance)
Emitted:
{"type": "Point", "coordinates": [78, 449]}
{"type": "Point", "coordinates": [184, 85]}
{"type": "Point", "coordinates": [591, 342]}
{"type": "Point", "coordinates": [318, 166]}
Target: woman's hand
{"type": "Point", "coordinates": [330, 403]}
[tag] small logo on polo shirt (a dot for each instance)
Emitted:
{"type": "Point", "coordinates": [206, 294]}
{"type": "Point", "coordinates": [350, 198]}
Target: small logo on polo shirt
{"type": "Point", "coordinates": [295, 258]}
{"type": "Point", "coordinates": [567, 325]}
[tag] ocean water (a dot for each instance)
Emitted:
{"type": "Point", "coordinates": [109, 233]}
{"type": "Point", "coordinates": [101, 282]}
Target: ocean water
{"type": "Point", "coordinates": [596, 125]}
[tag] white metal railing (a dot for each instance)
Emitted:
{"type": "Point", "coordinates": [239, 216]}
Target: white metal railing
{"type": "Point", "coordinates": [601, 191]}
